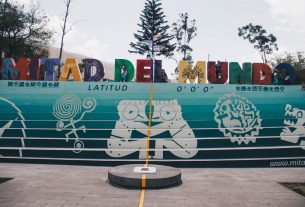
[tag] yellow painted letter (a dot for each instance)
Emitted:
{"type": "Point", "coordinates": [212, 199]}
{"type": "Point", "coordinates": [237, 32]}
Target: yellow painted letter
{"type": "Point", "coordinates": [186, 72]}
{"type": "Point", "coordinates": [70, 65]}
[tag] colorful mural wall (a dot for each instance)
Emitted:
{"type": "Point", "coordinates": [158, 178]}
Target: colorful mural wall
{"type": "Point", "coordinates": [192, 125]}
{"type": "Point", "coordinates": [202, 73]}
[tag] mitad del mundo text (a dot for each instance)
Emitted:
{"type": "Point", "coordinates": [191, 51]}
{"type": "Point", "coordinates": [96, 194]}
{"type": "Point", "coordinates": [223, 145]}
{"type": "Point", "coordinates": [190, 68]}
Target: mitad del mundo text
{"type": "Point", "coordinates": [223, 114]}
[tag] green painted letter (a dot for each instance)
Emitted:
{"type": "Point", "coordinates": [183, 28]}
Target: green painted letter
{"type": "Point", "coordinates": [240, 75]}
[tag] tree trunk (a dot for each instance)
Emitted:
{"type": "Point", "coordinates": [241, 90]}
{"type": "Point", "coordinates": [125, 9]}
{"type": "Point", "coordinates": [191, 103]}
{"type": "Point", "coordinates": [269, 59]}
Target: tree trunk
{"type": "Point", "coordinates": [265, 56]}
{"type": "Point", "coordinates": [64, 32]}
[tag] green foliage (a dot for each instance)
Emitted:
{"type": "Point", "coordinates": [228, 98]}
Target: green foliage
{"type": "Point", "coordinates": [297, 60]}
{"type": "Point", "coordinates": [23, 32]}
{"type": "Point", "coordinates": [184, 31]}
{"type": "Point", "coordinates": [152, 23]}
{"type": "Point", "coordinates": [261, 41]}
{"type": "Point", "coordinates": [296, 187]}
{"type": "Point", "coordinates": [81, 67]}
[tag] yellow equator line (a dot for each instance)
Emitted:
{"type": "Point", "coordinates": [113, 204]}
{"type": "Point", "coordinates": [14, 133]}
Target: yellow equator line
{"type": "Point", "coordinates": [141, 203]}
{"type": "Point", "coordinates": [149, 124]}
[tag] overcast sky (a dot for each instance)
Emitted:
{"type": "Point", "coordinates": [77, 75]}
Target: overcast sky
{"type": "Point", "coordinates": [105, 28]}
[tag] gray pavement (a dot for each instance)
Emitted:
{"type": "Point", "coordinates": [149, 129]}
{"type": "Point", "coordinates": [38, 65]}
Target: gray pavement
{"type": "Point", "coordinates": [67, 186]}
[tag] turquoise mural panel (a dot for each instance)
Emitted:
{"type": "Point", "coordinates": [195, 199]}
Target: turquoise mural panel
{"type": "Point", "coordinates": [108, 123]}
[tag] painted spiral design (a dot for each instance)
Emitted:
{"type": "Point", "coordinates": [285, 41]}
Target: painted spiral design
{"type": "Point", "coordinates": [89, 104]}
{"type": "Point", "coordinates": [67, 107]}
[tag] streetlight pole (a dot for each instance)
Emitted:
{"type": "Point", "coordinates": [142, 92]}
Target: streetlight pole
{"type": "Point", "coordinates": [154, 37]}
{"type": "Point", "coordinates": [151, 43]}
{"type": "Point", "coordinates": [153, 59]}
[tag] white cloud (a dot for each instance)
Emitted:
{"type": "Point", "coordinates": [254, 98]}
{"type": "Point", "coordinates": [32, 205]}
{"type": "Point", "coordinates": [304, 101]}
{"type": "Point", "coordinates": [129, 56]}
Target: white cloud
{"type": "Point", "coordinates": [291, 8]}
{"type": "Point", "coordinates": [107, 32]}
{"type": "Point", "coordinates": [92, 47]}
{"type": "Point", "coordinates": [78, 41]}
{"type": "Point", "coordinates": [290, 14]}
{"type": "Point", "coordinates": [83, 43]}
{"type": "Point", "coordinates": [54, 25]}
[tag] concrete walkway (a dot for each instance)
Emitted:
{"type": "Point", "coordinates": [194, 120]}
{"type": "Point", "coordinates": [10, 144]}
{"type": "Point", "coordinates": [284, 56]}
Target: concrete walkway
{"type": "Point", "coordinates": [67, 186]}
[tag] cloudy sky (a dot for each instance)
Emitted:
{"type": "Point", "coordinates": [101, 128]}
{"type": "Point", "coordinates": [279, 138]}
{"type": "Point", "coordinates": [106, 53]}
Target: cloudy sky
{"type": "Point", "coordinates": [105, 28]}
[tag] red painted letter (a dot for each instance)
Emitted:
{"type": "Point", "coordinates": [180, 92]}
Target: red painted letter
{"type": "Point", "coordinates": [218, 73]}
{"type": "Point", "coordinates": [261, 74]}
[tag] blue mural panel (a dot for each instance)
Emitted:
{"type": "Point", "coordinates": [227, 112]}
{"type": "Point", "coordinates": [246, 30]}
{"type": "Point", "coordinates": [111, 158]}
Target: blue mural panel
{"type": "Point", "coordinates": [191, 125]}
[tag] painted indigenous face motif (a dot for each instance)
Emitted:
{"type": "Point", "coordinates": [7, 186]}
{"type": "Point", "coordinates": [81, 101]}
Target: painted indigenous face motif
{"type": "Point", "coordinates": [166, 119]}
{"type": "Point", "coordinates": [295, 126]}
{"type": "Point", "coordinates": [237, 118]}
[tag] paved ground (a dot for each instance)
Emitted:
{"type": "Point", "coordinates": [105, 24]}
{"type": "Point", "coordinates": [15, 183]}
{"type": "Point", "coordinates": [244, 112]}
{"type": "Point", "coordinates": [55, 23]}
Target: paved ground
{"type": "Point", "coordinates": [67, 186]}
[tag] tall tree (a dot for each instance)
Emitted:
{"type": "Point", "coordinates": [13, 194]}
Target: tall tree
{"type": "Point", "coordinates": [64, 27]}
{"type": "Point", "coordinates": [263, 42]}
{"type": "Point", "coordinates": [23, 32]}
{"type": "Point", "coordinates": [297, 60]}
{"type": "Point", "coordinates": [184, 31]}
{"type": "Point", "coordinates": [153, 28]}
